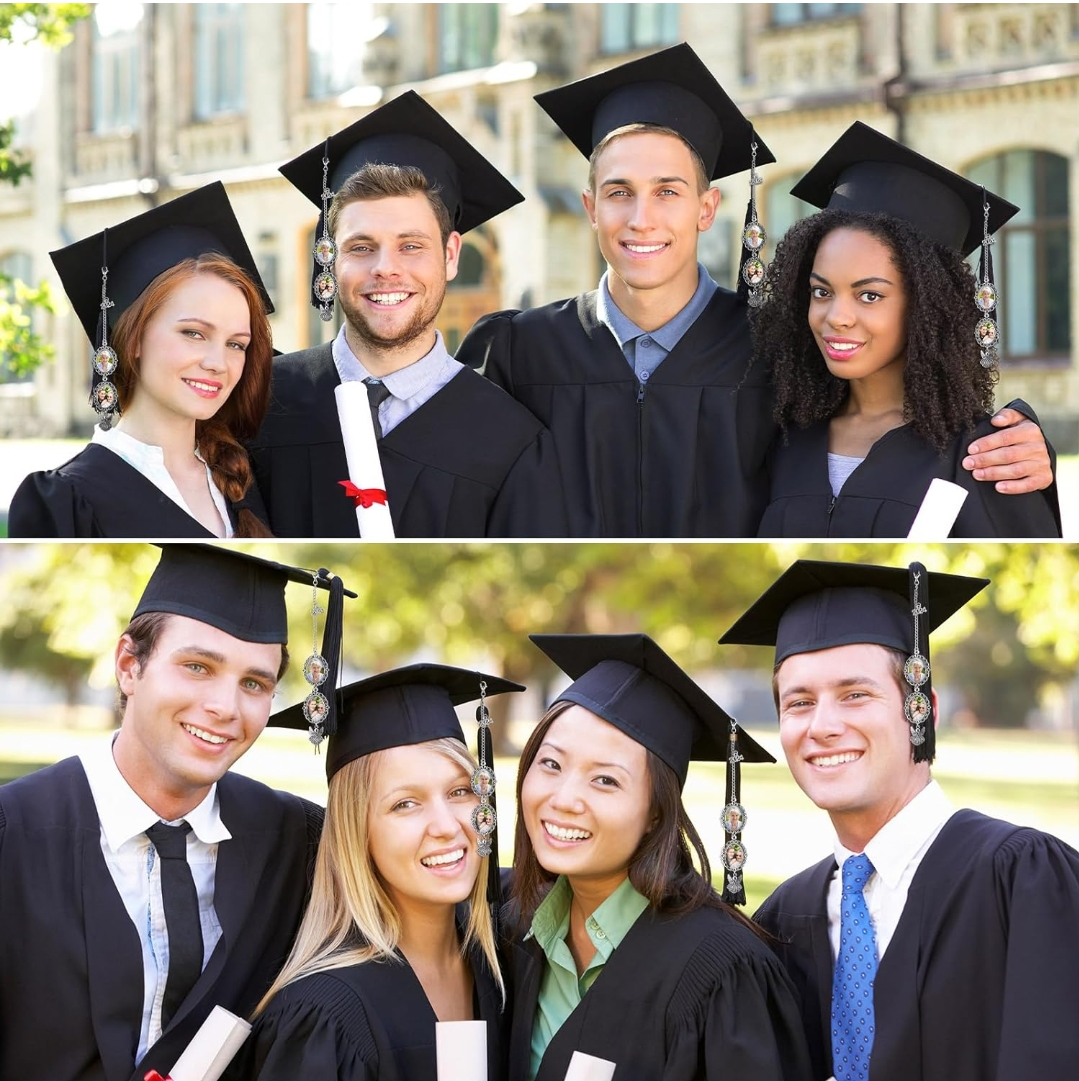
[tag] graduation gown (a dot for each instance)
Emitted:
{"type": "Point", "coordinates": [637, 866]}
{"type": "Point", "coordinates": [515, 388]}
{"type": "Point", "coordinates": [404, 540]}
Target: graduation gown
{"type": "Point", "coordinates": [470, 462]}
{"type": "Point", "coordinates": [882, 496]}
{"type": "Point", "coordinates": [684, 455]}
{"type": "Point", "coordinates": [682, 998]}
{"type": "Point", "coordinates": [369, 1022]}
{"type": "Point", "coordinates": [978, 982]}
{"type": "Point", "coordinates": [97, 494]}
{"type": "Point", "coordinates": [71, 979]}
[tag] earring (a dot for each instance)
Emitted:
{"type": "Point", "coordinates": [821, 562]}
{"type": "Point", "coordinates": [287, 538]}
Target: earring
{"type": "Point", "coordinates": [753, 238]}
{"type": "Point", "coordinates": [918, 707]}
{"type": "Point", "coordinates": [734, 820]}
{"type": "Point", "coordinates": [986, 298]}
{"type": "Point", "coordinates": [484, 818]}
{"type": "Point", "coordinates": [104, 396]}
{"type": "Point", "coordinates": [325, 251]}
{"type": "Point", "coordinates": [316, 706]}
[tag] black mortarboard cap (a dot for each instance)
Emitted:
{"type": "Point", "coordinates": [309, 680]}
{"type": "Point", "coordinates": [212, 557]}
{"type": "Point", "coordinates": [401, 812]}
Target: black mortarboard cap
{"type": "Point", "coordinates": [671, 88]}
{"type": "Point", "coordinates": [866, 171]}
{"type": "Point", "coordinates": [398, 708]}
{"type": "Point", "coordinates": [137, 250]}
{"type": "Point", "coordinates": [631, 683]}
{"type": "Point", "coordinates": [408, 131]}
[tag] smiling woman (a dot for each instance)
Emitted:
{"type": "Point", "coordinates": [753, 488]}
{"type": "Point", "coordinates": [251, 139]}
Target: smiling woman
{"type": "Point", "coordinates": [184, 360]}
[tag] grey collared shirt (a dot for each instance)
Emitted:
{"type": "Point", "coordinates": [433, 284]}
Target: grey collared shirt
{"type": "Point", "coordinates": [645, 351]}
{"type": "Point", "coordinates": [409, 387]}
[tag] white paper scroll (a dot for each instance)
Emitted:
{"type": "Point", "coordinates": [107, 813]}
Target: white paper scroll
{"type": "Point", "coordinates": [461, 1049]}
{"type": "Point", "coordinates": [938, 511]}
{"type": "Point", "coordinates": [361, 453]}
{"type": "Point", "coordinates": [584, 1067]}
{"type": "Point", "coordinates": [212, 1049]}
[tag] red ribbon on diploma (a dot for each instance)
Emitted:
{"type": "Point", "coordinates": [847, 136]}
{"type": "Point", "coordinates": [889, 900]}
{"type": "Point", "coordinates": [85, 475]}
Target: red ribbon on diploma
{"type": "Point", "coordinates": [363, 497]}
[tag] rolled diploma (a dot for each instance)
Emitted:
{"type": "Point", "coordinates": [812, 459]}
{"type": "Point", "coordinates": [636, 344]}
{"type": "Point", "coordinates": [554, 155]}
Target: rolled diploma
{"type": "Point", "coordinates": [461, 1050]}
{"type": "Point", "coordinates": [212, 1049]}
{"type": "Point", "coordinates": [361, 453]}
{"type": "Point", "coordinates": [938, 511]}
{"type": "Point", "coordinates": [584, 1067]}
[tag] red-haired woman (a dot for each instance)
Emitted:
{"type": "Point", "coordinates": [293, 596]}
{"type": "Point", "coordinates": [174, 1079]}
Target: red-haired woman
{"type": "Point", "coordinates": [184, 364]}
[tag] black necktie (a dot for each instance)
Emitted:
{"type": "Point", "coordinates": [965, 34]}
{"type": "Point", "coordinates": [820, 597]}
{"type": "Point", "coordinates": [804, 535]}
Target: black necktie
{"type": "Point", "coordinates": [377, 393]}
{"type": "Point", "coordinates": [181, 903]}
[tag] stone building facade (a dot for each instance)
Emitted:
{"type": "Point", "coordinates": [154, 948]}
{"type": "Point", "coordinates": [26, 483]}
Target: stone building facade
{"type": "Point", "coordinates": [152, 100]}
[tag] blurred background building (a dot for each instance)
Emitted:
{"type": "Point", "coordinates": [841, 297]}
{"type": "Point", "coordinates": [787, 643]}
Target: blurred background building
{"type": "Point", "coordinates": [152, 100]}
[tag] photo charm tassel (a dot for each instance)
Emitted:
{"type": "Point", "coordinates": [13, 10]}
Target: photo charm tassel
{"type": "Point", "coordinates": [316, 670]}
{"type": "Point", "coordinates": [753, 239]}
{"type": "Point", "coordinates": [483, 779]}
{"type": "Point", "coordinates": [918, 707]}
{"type": "Point", "coordinates": [325, 250]}
{"type": "Point", "coordinates": [986, 298]}
{"type": "Point", "coordinates": [104, 396]}
{"type": "Point", "coordinates": [734, 820]}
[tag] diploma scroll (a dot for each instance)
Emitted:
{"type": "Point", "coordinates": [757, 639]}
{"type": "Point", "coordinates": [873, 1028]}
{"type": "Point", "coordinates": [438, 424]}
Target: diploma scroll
{"type": "Point", "coordinates": [461, 1050]}
{"type": "Point", "coordinates": [584, 1067]}
{"type": "Point", "coordinates": [212, 1049]}
{"type": "Point", "coordinates": [361, 453]}
{"type": "Point", "coordinates": [938, 511]}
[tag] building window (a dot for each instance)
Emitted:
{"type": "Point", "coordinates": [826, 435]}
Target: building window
{"type": "Point", "coordinates": [114, 64]}
{"type": "Point", "coordinates": [219, 59]}
{"type": "Point", "coordinates": [781, 209]}
{"type": "Point", "coordinates": [1030, 257]}
{"type": "Point", "coordinates": [335, 36]}
{"type": "Point", "coordinates": [14, 265]}
{"type": "Point", "coordinates": [467, 34]}
{"type": "Point", "coordinates": [793, 14]}
{"type": "Point", "coordinates": [637, 26]}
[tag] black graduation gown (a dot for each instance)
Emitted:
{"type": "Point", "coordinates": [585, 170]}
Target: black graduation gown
{"type": "Point", "coordinates": [71, 980]}
{"type": "Point", "coordinates": [369, 1022]}
{"type": "Point", "coordinates": [882, 496]}
{"type": "Point", "coordinates": [979, 981]}
{"type": "Point", "coordinates": [470, 462]}
{"type": "Point", "coordinates": [683, 456]}
{"type": "Point", "coordinates": [696, 997]}
{"type": "Point", "coordinates": [97, 494]}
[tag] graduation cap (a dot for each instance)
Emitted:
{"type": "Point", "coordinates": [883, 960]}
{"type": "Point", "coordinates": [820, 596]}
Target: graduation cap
{"type": "Point", "coordinates": [671, 88]}
{"type": "Point", "coordinates": [817, 605]}
{"type": "Point", "coordinates": [627, 680]}
{"type": "Point", "coordinates": [105, 273]}
{"type": "Point", "coordinates": [866, 171]}
{"type": "Point", "coordinates": [242, 595]}
{"type": "Point", "coordinates": [406, 132]}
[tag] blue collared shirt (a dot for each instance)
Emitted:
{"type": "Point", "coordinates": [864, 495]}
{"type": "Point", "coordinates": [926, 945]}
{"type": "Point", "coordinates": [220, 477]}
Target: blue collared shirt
{"type": "Point", "coordinates": [645, 351]}
{"type": "Point", "coordinates": [409, 387]}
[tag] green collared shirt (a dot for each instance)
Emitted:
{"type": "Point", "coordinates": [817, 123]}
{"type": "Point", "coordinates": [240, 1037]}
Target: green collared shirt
{"type": "Point", "coordinates": [561, 989]}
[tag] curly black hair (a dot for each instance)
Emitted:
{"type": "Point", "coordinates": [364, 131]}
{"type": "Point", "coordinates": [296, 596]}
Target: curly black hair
{"type": "Point", "coordinates": [945, 388]}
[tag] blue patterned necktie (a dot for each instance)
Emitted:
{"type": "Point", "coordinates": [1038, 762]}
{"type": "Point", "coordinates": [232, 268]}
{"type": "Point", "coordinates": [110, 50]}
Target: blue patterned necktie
{"type": "Point", "coordinates": [855, 970]}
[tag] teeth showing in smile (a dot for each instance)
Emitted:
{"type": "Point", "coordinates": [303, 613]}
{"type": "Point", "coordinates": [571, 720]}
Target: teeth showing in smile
{"type": "Point", "coordinates": [644, 249]}
{"type": "Point", "coordinates": [208, 387]}
{"type": "Point", "coordinates": [447, 857]}
{"type": "Point", "coordinates": [209, 737]}
{"type": "Point", "coordinates": [387, 298]}
{"type": "Point", "coordinates": [561, 834]}
{"type": "Point", "coordinates": [843, 347]}
{"type": "Point", "coordinates": [836, 759]}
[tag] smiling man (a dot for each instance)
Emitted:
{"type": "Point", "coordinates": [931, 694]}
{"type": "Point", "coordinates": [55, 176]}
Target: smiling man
{"type": "Point", "coordinates": [937, 944]}
{"type": "Point", "coordinates": [142, 883]}
{"type": "Point", "coordinates": [458, 456]}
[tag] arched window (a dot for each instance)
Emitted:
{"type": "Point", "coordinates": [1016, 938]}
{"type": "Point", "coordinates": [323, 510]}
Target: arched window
{"type": "Point", "coordinates": [781, 209]}
{"type": "Point", "coordinates": [1030, 257]}
{"type": "Point", "coordinates": [470, 268]}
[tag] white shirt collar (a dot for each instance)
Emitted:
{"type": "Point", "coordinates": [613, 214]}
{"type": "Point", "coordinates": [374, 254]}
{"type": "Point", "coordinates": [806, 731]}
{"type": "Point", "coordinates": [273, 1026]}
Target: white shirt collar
{"type": "Point", "coordinates": [124, 815]}
{"type": "Point", "coordinates": [901, 838]}
{"type": "Point", "coordinates": [404, 383]}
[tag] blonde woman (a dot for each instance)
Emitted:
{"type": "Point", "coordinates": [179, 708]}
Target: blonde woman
{"type": "Point", "coordinates": [386, 947]}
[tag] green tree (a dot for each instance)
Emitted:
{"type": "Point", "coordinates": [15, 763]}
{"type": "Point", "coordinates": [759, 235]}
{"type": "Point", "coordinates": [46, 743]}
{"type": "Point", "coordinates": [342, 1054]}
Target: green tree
{"type": "Point", "coordinates": [22, 350]}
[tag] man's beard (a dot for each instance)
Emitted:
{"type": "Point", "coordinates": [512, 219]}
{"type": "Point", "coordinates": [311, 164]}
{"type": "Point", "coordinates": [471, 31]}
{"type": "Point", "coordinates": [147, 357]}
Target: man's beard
{"type": "Point", "coordinates": [415, 328]}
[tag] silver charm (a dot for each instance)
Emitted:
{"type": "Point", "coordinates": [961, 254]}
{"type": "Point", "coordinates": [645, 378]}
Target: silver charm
{"type": "Point", "coordinates": [753, 238]}
{"type": "Point", "coordinates": [483, 782]}
{"type": "Point", "coordinates": [734, 818]}
{"type": "Point", "coordinates": [325, 251]}
{"type": "Point", "coordinates": [734, 857]}
{"type": "Point", "coordinates": [315, 669]}
{"type": "Point", "coordinates": [104, 396]}
{"type": "Point", "coordinates": [916, 669]}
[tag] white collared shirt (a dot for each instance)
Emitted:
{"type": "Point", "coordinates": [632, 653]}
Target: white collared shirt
{"type": "Point", "coordinates": [896, 852]}
{"type": "Point", "coordinates": [409, 387]}
{"type": "Point", "coordinates": [132, 862]}
{"type": "Point", "coordinates": [150, 462]}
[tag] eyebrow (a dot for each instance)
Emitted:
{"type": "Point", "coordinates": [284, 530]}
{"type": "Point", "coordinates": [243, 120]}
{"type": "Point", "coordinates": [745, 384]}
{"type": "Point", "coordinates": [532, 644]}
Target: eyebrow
{"type": "Point", "coordinates": [593, 764]}
{"type": "Point", "coordinates": [211, 326]}
{"type": "Point", "coordinates": [219, 658]}
{"type": "Point", "coordinates": [654, 180]}
{"type": "Point", "coordinates": [854, 285]}
{"type": "Point", "coordinates": [405, 235]}
{"type": "Point", "coordinates": [839, 684]}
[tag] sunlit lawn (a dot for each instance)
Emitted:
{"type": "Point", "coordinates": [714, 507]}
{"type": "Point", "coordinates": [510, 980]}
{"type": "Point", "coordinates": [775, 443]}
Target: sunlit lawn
{"type": "Point", "coordinates": [1031, 778]}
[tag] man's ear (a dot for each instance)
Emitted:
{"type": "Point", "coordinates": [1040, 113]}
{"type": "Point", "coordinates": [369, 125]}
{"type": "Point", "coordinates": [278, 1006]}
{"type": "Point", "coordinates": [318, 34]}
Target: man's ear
{"type": "Point", "coordinates": [453, 254]}
{"type": "Point", "coordinates": [588, 197]}
{"type": "Point", "coordinates": [127, 665]}
{"type": "Point", "coordinates": [709, 205]}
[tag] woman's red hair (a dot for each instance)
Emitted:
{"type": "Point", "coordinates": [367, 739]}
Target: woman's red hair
{"type": "Point", "coordinates": [220, 439]}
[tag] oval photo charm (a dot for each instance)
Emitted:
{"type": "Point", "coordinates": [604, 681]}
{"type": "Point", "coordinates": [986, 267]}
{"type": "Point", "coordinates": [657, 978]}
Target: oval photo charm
{"type": "Point", "coordinates": [315, 670]}
{"type": "Point", "coordinates": [917, 708]}
{"type": "Point", "coordinates": [916, 670]}
{"type": "Point", "coordinates": [754, 236]}
{"type": "Point", "coordinates": [483, 820]}
{"type": "Point", "coordinates": [325, 251]}
{"type": "Point", "coordinates": [316, 707]}
{"type": "Point", "coordinates": [733, 818]}
{"type": "Point", "coordinates": [483, 782]}
{"type": "Point", "coordinates": [753, 272]}
{"type": "Point", "coordinates": [986, 297]}
{"type": "Point", "coordinates": [734, 856]}
{"type": "Point", "coordinates": [104, 397]}
{"type": "Point", "coordinates": [105, 360]}
{"type": "Point", "coordinates": [325, 287]}
{"type": "Point", "coordinates": [985, 333]}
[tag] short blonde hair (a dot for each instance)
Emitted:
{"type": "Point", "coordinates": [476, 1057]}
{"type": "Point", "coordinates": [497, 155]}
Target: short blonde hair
{"type": "Point", "coordinates": [703, 183]}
